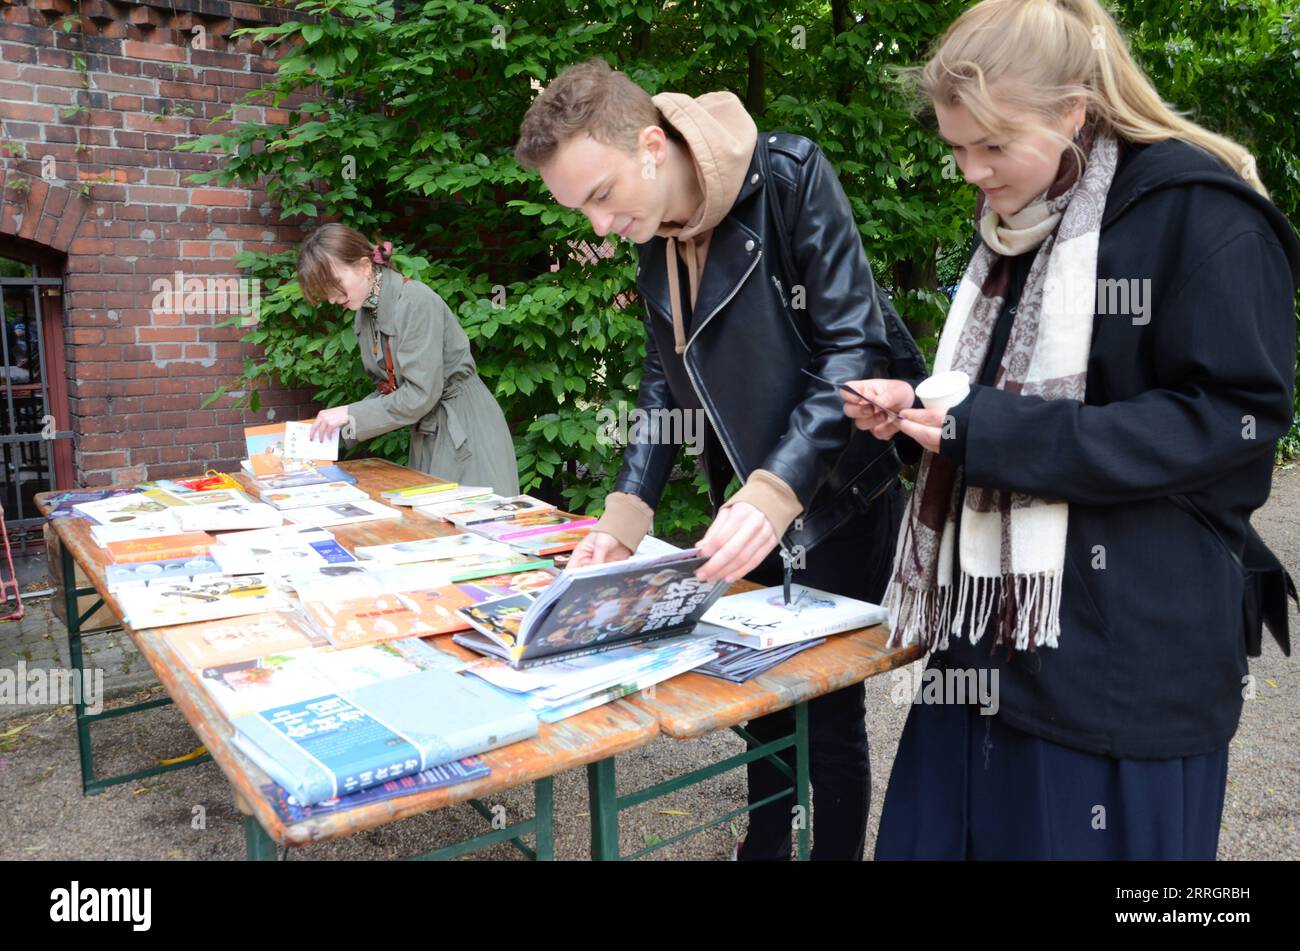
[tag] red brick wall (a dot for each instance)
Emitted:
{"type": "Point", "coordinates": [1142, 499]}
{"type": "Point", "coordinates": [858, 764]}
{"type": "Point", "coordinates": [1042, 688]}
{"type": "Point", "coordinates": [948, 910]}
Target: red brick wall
{"type": "Point", "coordinates": [118, 215]}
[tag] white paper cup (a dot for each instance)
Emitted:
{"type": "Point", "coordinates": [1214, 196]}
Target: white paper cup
{"type": "Point", "coordinates": [943, 390]}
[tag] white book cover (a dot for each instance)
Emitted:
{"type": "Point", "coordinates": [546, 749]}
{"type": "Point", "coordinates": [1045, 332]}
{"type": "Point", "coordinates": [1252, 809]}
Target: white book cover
{"type": "Point", "coordinates": [443, 548]}
{"type": "Point", "coordinates": [762, 619]}
{"type": "Point", "coordinates": [279, 552]}
{"type": "Point", "coordinates": [292, 676]}
{"type": "Point", "coordinates": [298, 443]}
{"type": "Point", "coordinates": [154, 525]}
{"type": "Point", "coordinates": [229, 516]}
{"type": "Point", "coordinates": [342, 513]}
{"type": "Point", "coordinates": [652, 547]}
{"type": "Point", "coordinates": [302, 496]}
{"type": "Point", "coordinates": [210, 497]}
{"type": "Point", "coordinates": [204, 599]}
{"type": "Point", "coordinates": [128, 509]}
{"type": "Point", "coordinates": [365, 580]}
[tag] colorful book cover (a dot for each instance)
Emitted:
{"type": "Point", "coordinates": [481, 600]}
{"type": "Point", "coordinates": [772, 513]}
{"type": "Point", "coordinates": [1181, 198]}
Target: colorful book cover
{"type": "Point", "coordinates": [161, 547]}
{"type": "Point", "coordinates": [511, 530]}
{"type": "Point", "coordinates": [594, 608]}
{"type": "Point", "coordinates": [440, 510]}
{"type": "Point", "coordinates": [231, 640]}
{"type": "Point", "coordinates": [340, 743]}
{"type": "Point", "coordinates": [552, 543]}
{"type": "Point", "coordinates": [269, 450]}
{"type": "Point", "coordinates": [491, 511]}
{"type": "Point", "coordinates": [504, 585]}
{"type": "Point", "coordinates": [435, 777]}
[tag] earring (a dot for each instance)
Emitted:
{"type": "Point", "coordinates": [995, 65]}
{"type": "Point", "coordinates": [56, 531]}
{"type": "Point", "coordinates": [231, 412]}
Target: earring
{"type": "Point", "coordinates": [1077, 129]}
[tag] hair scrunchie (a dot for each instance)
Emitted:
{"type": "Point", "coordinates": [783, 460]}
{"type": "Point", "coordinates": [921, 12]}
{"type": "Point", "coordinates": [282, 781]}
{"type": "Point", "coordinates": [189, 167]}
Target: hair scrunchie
{"type": "Point", "coordinates": [381, 253]}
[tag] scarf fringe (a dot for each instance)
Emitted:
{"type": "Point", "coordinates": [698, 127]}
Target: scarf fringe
{"type": "Point", "coordinates": [929, 616]}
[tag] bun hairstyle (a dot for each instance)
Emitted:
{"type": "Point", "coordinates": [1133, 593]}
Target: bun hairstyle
{"type": "Point", "coordinates": [330, 244]}
{"type": "Point", "coordinates": [1038, 57]}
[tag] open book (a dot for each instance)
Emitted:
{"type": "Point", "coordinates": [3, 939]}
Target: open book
{"type": "Point", "coordinates": [594, 608]}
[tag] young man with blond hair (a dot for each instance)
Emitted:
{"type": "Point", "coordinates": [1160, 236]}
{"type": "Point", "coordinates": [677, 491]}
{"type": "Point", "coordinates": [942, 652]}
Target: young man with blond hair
{"type": "Point", "coordinates": [751, 270]}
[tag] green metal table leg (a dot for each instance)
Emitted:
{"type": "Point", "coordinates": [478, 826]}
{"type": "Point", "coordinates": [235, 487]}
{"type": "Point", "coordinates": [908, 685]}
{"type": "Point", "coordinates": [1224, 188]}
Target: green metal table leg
{"type": "Point", "coordinates": [802, 801]}
{"type": "Point", "coordinates": [74, 655]}
{"type": "Point", "coordinates": [544, 806]}
{"type": "Point", "coordinates": [604, 811]}
{"type": "Point", "coordinates": [258, 846]}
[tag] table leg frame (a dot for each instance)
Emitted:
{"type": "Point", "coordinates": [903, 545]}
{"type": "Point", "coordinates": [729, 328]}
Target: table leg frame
{"type": "Point", "coordinates": [606, 804]}
{"type": "Point", "coordinates": [90, 784]}
{"type": "Point", "coordinates": [259, 846]}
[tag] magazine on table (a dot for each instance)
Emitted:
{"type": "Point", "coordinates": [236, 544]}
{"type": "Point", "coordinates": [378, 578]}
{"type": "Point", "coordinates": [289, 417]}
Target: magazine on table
{"type": "Point", "coordinates": [595, 608]}
{"type": "Point", "coordinates": [761, 618]}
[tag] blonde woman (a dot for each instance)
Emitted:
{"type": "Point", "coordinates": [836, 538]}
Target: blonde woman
{"type": "Point", "coordinates": [416, 352]}
{"type": "Point", "coordinates": [1127, 322]}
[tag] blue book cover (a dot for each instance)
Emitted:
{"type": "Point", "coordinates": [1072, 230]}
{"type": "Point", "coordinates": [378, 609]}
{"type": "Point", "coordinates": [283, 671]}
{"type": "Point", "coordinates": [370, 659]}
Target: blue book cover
{"type": "Point", "coordinates": [435, 777]}
{"type": "Point", "coordinates": [337, 744]}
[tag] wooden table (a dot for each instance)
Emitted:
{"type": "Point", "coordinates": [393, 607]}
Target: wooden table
{"type": "Point", "coordinates": [595, 735]}
{"type": "Point", "coordinates": [687, 706]}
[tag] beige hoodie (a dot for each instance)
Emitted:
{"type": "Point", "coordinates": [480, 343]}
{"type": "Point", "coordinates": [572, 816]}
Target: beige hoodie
{"type": "Point", "coordinates": [720, 136]}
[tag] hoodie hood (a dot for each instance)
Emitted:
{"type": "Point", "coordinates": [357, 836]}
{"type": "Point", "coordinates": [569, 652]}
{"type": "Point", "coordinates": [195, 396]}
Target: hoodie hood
{"type": "Point", "coordinates": [1173, 163]}
{"type": "Point", "coordinates": [720, 136]}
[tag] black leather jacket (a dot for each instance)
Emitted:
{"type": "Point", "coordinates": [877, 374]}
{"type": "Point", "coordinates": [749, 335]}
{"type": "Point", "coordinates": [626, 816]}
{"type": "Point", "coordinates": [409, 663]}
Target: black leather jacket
{"type": "Point", "coordinates": [746, 345]}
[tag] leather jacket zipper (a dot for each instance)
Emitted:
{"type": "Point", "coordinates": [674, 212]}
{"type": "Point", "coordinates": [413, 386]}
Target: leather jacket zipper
{"type": "Point", "coordinates": [722, 437]}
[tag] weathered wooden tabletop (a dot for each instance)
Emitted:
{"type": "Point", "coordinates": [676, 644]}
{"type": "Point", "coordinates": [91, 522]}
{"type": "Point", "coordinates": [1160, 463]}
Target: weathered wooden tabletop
{"type": "Point", "coordinates": [691, 705]}
{"type": "Point", "coordinates": [595, 735]}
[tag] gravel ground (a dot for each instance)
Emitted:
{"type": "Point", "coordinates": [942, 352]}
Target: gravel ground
{"type": "Point", "coordinates": [189, 814]}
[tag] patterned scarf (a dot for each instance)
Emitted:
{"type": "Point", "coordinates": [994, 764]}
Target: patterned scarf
{"type": "Point", "coordinates": [1012, 545]}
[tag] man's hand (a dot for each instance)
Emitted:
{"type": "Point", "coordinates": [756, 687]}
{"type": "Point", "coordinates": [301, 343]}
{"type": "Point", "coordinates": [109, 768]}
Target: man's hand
{"type": "Point", "coordinates": [598, 548]}
{"type": "Point", "coordinates": [739, 538]}
{"type": "Point", "coordinates": [328, 422]}
{"type": "Point", "coordinates": [894, 395]}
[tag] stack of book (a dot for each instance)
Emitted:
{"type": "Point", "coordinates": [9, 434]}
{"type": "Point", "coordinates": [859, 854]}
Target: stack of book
{"type": "Point", "coordinates": [570, 686]}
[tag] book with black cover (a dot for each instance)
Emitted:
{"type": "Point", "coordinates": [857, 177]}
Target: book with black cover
{"type": "Point", "coordinates": [595, 608]}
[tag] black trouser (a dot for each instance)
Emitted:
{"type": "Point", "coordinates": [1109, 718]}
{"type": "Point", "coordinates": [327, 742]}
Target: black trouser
{"type": "Point", "coordinates": [854, 561]}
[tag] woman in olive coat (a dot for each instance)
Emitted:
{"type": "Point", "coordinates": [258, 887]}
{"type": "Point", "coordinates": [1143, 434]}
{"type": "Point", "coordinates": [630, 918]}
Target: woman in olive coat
{"type": "Point", "coordinates": [414, 349]}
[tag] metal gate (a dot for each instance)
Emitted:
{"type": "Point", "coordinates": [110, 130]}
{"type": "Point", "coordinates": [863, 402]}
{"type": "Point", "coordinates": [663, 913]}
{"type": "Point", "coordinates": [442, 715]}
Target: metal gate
{"type": "Point", "coordinates": [31, 402]}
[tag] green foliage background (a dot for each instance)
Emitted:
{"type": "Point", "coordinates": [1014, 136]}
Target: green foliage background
{"type": "Point", "coordinates": [404, 116]}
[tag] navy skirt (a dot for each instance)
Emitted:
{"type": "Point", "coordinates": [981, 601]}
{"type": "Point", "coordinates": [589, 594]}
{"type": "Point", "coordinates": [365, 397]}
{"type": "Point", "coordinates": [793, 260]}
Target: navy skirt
{"type": "Point", "coordinates": [967, 786]}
